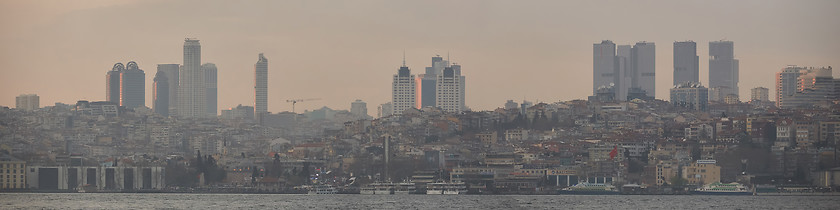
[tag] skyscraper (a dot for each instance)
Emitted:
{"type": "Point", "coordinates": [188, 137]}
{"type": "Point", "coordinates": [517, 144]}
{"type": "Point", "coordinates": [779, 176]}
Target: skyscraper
{"type": "Point", "coordinates": [260, 87]}
{"type": "Point", "coordinates": [448, 91]}
{"type": "Point", "coordinates": [643, 56]}
{"type": "Point", "coordinates": [112, 83]}
{"type": "Point", "coordinates": [161, 94]}
{"type": "Point", "coordinates": [814, 86]}
{"type": "Point", "coordinates": [132, 86]}
{"type": "Point", "coordinates": [426, 84]}
{"type": "Point", "coordinates": [27, 102]}
{"type": "Point", "coordinates": [605, 72]}
{"type": "Point", "coordinates": [723, 68]}
{"type": "Point", "coordinates": [686, 62]}
{"type": "Point", "coordinates": [192, 102]}
{"type": "Point", "coordinates": [171, 71]}
{"type": "Point", "coordinates": [806, 82]}
{"type": "Point", "coordinates": [210, 81]}
{"type": "Point", "coordinates": [402, 91]}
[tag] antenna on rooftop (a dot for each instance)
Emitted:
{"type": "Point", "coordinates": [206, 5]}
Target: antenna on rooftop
{"type": "Point", "coordinates": [403, 58]}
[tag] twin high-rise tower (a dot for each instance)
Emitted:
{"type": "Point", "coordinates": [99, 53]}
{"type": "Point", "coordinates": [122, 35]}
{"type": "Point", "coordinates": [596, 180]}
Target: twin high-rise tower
{"type": "Point", "coordinates": [441, 86]}
{"type": "Point", "coordinates": [627, 71]}
{"type": "Point", "coordinates": [125, 85]}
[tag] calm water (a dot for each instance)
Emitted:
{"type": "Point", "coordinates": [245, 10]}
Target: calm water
{"type": "Point", "coordinates": [240, 201]}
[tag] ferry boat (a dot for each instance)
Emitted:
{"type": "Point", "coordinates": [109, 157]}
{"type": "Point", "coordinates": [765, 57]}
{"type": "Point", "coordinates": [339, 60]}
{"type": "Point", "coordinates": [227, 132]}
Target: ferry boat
{"type": "Point", "coordinates": [322, 190]}
{"type": "Point", "coordinates": [585, 188]}
{"type": "Point", "coordinates": [404, 188]}
{"type": "Point", "coordinates": [446, 188]}
{"type": "Point", "coordinates": [718, 188]}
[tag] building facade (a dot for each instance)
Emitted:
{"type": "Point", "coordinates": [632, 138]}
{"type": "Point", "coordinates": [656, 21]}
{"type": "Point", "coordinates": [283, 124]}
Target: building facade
{"type": "Point", "coordinates": [448, 91]}
{"type": "Point", "coordinates": [161, 94]}
{"type": "Point", "coordinates": [691, 95]}
{"type": "Point", "coordinates": [171, 71]}
{"type": "Point", "coordinates": [28, 102]}
{"type": "Point", "coordinates": [192, 101]}
{"type": "Point", "coordinates": [132, 86]}
{"type": "Point", "coordinates": [686, 62]}
{"type": "Point", "coordinates": [760, 94]}
{"type": "Point", "coordinates": [211, 82]}
{"type": "Point", "coordinates": [723, 68]}
{"type": "Point", "coordinates": [402, 92]}
{"type": "Point", "coordinates": [604, 72]}
{"type": "Point", "coordinates": [112, 83]}
{"type": "Point", "coordinates": [359, 109]}
{"type": "Point", "coordinates": [12, 173]}
{"type": "Point", "coordinates": [260, 86]}
{"type": "Point", "coordinates": [643, 57]}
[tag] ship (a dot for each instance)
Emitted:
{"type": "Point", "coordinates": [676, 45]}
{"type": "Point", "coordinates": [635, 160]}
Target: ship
{"type": "Point", "coordinates": [718, 188]}
{"type": "Point", "coordinates": [322, 190]}
{"type": "Point", "coordinates": [585, 188]}
{"type": "Point", "coordinates": [446, 188]}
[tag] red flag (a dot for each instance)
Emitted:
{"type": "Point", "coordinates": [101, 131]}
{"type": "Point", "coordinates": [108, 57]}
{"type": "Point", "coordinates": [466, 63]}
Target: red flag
{"type": "Point", "coordinates": [614, 152]}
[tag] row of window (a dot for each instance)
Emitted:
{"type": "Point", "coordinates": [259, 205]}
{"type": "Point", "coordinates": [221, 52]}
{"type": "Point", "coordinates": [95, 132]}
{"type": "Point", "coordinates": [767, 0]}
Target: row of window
{"type": "Point", "coordinates": [12, 165]}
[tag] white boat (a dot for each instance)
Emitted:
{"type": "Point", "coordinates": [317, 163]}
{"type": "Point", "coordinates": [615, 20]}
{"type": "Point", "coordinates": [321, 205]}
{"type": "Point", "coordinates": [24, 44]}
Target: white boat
{"type": "Point", "coordinates": [718, 188]}
{"type": "Point", "coordinates": [322, 190]}
{"type": "Point", "coordinates": [378, 188]}
{"type": "Point", "coordinates": [404, 188]}
{"type": "Point", "coordinates": [446, 188]}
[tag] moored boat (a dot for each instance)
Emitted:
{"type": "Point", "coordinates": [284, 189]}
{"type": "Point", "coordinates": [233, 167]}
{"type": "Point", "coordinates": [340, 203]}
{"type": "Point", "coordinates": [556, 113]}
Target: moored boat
{"type": "Point", "coordinates": [585, 188]}
{"type": "Point", "coordinates": [718, 188]}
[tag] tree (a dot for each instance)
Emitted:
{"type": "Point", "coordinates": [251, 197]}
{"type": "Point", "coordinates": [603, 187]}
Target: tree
{"type": "Point", "coordinates": [678, 181]}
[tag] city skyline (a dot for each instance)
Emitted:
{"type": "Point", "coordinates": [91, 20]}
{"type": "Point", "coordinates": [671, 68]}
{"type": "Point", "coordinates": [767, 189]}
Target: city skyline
{"type": "Point", "coordinates": [536, 54]}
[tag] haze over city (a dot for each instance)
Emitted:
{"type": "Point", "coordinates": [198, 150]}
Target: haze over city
{"type": "Point", "coordinates": [342, 51]}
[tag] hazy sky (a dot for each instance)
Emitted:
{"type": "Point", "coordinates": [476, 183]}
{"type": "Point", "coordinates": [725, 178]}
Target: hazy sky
{"type": "Point", "coordinates": [345, 50]}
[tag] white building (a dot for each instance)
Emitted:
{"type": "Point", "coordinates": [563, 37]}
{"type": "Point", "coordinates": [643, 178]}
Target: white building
{"type": "Point", "coordinates": [449, 91]}
{"type": "Point", "coordinates": [192, 101]}
{"type": "Point", "coordinates": [403, 92]}
{"type": "Point", "coordinates": [27, 102]}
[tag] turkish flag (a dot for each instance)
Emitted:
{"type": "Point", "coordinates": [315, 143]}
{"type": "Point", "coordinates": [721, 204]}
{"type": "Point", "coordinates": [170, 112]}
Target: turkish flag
{"type": "Point", "coordinates": [614, 152]}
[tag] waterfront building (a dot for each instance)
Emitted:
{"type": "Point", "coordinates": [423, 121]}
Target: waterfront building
{"type": "Point", "coordinates": [701, 172]}
{"type": "Point", "coordinates": [118, 178]}
{"type": "Point", "coordinates": [12, 172]}
{"type": "Point", "coordinates": [192, 101]}
{"type": "Point", "coordinates": [28, 102]}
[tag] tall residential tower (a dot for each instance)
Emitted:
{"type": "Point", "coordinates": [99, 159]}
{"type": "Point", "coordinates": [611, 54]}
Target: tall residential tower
{"type": "Point", "coordinates": [260, 87]}
{"type": "Point", "coordinates": [402, 92]}
{"type": "Point", "coordinates": [192, 101]}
